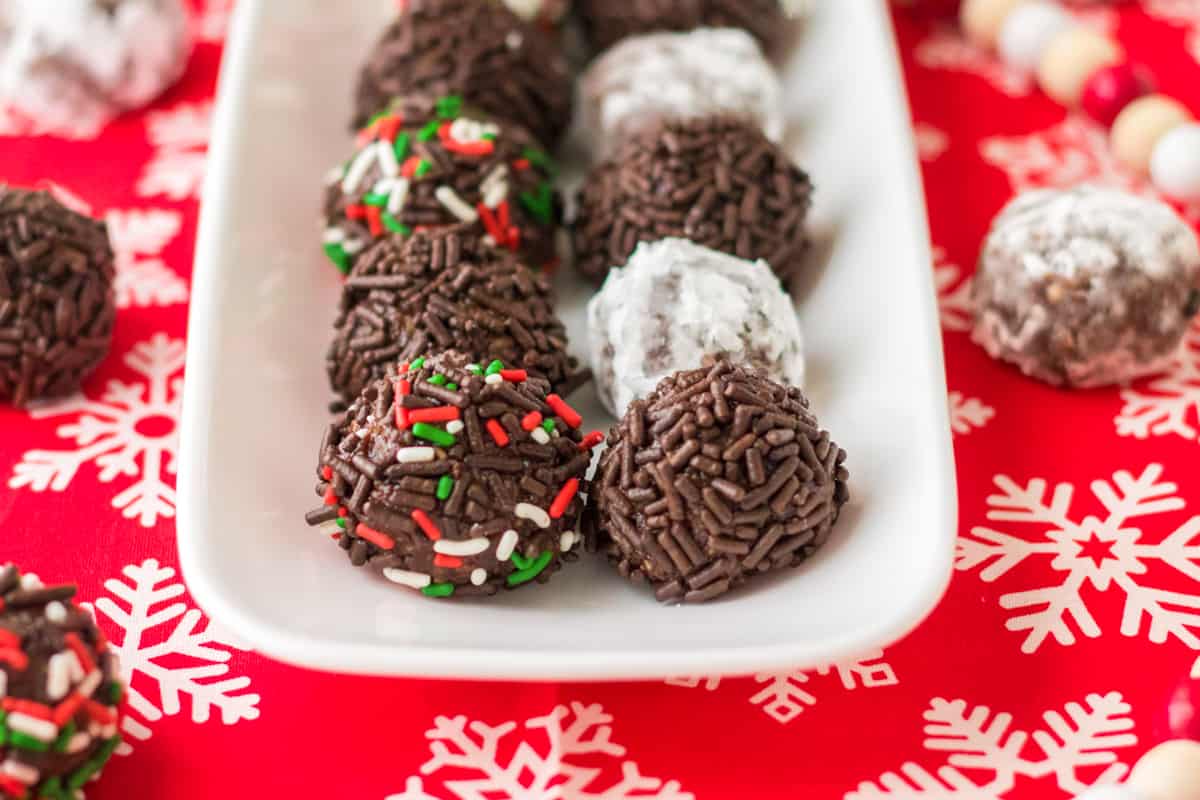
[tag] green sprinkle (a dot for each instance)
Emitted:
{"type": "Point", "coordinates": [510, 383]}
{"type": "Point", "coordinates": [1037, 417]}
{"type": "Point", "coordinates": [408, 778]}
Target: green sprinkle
{"type": "Point", "coordinates": [438, 590]}
{"type": "Point", "coordinates": [26, 742]}
{"type": "Point", "coordinates": [64, 736]}
{"type": "Point", "coordinates": [540, 203]}
{"type": "Point", "coordinates": [494, 367]}
{"type": "Point", "coordinates": [3, 737]}
{"type": "Point", "coordinates": [116, 693]}
{"type": "Point", "coordinates": [549, 427]}
{"type": "Point", "coordinates": [430, 131]}
{"type": "Point", "coordinates": [52, 788]}
{"type": "Point", "coordinates": [378, 115]}
{"type": "Point", "coordinates": [337, 254]}
{"type": "Point", "coordinates": [373, 199]}
{"type": "Point", "coordinates": [401, 146]}
{"type": "Point", "coordinates": [474, 369]}
{"type": "Point", "coordinates": [452, 387]}
{"type": "Point", "coordinates": [423, 168]}
{"type": "Point", "coordinates": [520, 561]}
{"type": "Point", "coordinates": [417, 363]}
{"type": "Point", "coordinates": [395, 226]}
{"type": "Point", "coordinates": [93, 764]}
{"type": "Point", "coordinates": [530, 572]}
{"type": "Point", "coordinates": [445, 487]}
{"type": "Point", "coordinates": [341, 523]}
{"type": "Point", "coordinates": [449, 106]}
{"type": "Point", "coordinates": [540, 159]}
{"type": "Point", "coordinates": [438, 380]}
{"type": "Point", "coordinates": [491, 137]}
{"type": "Point", "coordinates": [433, 434]}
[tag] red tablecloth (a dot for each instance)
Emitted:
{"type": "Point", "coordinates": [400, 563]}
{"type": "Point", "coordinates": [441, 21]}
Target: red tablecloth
{"type": "Point", "coordinates": [1073, 618]}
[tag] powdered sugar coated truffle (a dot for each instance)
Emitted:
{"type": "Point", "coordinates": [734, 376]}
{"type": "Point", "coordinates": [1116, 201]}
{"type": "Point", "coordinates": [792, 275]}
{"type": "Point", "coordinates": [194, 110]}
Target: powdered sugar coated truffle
{"type": "Point", "coordinates": [675, 304]}
{"type": "Point", "coordinates": [647, 78]}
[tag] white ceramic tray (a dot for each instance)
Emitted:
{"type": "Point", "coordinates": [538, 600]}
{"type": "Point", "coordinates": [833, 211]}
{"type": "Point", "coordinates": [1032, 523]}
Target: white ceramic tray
{"type": "Point", "coordinates": [256, 394]}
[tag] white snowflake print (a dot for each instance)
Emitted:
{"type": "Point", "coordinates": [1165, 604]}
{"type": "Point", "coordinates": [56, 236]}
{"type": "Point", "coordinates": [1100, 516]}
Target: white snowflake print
{"type": "Point", "coordinates": [1106, 553]}
{"type": "Point", "coordinates": [558, 755]}
{"type": "Point", "coordinates": [782, 695]}
{"type": "Point", "coordinates": [1168, 405]}
{"type": "Point", "coordinates": [1176, 12]}
{"type": "Point", "coordinates": [953, 291]}
{"type": "Point", "coordinates": [212, 21]}
{"type": "Point", "coordinates": [167, 652]}
{"type": "Point", "coordinates": [968, 413]}
{"type": "Point", "coordinates": [80, 128]}
{"type": "Point", "coordinates": [138, 239]}
{"type": "Point", "coordinates": [945, 48]}
{"type": "Point", "coordinates": [932, 142]}
{"type": "Point", "coordinates": [1078, 749]}
{"type": "Point", "coordinates": [129, 432]}
{"type": "Point", "coordinates": [180, 138]}
{"type": "Point", "coordinates": [1072, 152]}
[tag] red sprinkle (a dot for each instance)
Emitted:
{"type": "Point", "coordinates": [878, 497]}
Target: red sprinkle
{"type": "Point", "coordinates": [591, 440]}
{"type": "Point", "coordinates": [330, 498]}
{"type": "Point", "coordinates": [502, 215]}
{"type": "Point", "coordinates": [13, 788]}
{"type": "Point", "coordinates": [337, 537]}
{"type": "Point", "coordinates": [367, 133]}
{"type": "Point", "coordinates": [490, 224]}
{"type": "Point", "coordinates": [443, 560]}
{"type": "Point", "coordinates": [9, 639]}
{"type": "Point", "coordinates": [403, 388]}
{"type": "Point", "coordinates": [388, 127]}
{"type": "Point", "coordinates": [426, 524]}
{"type": "Point", "coordinates": [85, 658]}
{"type": "Point", "coordinates": [531, 420]}
{"type": "Point", "coordinates": [568, 414]}
{"type": "Point", "coordinates": [521, 164]}
{"type": "Point", "coordinates": [67, 708]}
{"type": "Point", "coordinates": [28, 707]}
{"type": "Point", "coordinates": [380, 540]}
{"type": "Point", "coordinates": [15, 658]}
{"type": "Point", "coordinates": [343, 511]}
{"type": "Point", "coordinates": [375, 220]}
{"type": "Point", "coordinates": [100, 713]}
{"type": "Point", "coordinates": [356, 212]}
{"type": "Point", "coordinates": [403, 367]}
{"type": "Point", "coordinates": [327, 473]}
{"type": "Point", "coordinates": [514, 375]}
{"type": "Point", "coordinates": [565, 495]}
{"type": "Point", "coordinates": [498, 433]}
{"type": "Point", "coordinates": [409, 169]}
{"type": "Point", "coordinates": [438, 414]}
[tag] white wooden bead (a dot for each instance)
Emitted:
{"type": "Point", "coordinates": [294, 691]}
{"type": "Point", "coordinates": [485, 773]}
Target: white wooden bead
{"type": "Point", "coordinates": [1170, 771]}
{"type": "Point", "coordinates": [1070, 59]}
{"type": "Point", "coordinates": [1141, 124]}
{"type": "Point", "coordinates": [982, 20]}
{"type": "Point", "coordinates": [1028, 31]}
{"type": "Point", "coordinates": [1175, 162]}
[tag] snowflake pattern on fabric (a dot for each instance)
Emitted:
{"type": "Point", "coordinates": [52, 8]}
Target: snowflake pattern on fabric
{"type": "Point", "coordinates": [212, 21]}
{"type": "Point", "coordinates": [81, 127]}
{"type": "Point", "coordinates": [138, 239]}
{"type": "Point", "coordinates": [130, 431]}
{"type": "Point", "coordinates": [945, 48]}
{"type": "Point", "coordinates": [164, 647]}
{"type": "Point", "coordinates": [180, 139]}
{"type": "Point", "coordinates": [953, 291]}
{"type": "Point", "coordinates": [1168, 405]}
{"type": "Point", "coordinates": [782, 695]}
{"type": "Point", "coordinates": [1078, 749]}
{"type": "Point", "coordinates": [558, 755]}
{"type": "Point", "coordinates": [968, 413]}
{"type": "Point", "coordinates": [1175, 12]}
{"type": "Point", "coordinates": [1107, 553]}
{"type": "Point", "coordinates": [932, 141]}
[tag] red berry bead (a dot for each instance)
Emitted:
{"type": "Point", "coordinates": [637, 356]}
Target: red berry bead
{"type": "Point", "coordinates": [1110, 89]}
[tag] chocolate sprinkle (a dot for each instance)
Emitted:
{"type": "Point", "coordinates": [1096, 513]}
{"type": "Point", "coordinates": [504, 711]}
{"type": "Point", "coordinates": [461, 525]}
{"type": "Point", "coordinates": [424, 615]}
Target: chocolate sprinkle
{"type": "Point", "coordinates": [608, 21]}
{"type": "Point", "coordinates": [56, 296]}
{"type": "Point", "coordinates": [717, 181]}
{"type": "Point", "coordinates": [725, 520]}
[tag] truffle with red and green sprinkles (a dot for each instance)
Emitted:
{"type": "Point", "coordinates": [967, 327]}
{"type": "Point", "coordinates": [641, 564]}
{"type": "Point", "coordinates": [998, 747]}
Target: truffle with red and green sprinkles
{"type": "Point", "coordinates": [59, 691]}
{"type": "Point", "coordinates": [432, 163]}
{"type": "Point", "coordinates": [455, 478]}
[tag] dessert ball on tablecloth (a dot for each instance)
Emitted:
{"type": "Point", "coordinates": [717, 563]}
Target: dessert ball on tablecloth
{"type": "Point", "coordinates": [56, 296]}
{"type": "Point", "coordinates": [674, 305]}
{"type": "Point", "coordinates": [720, 474]}
{"type": "Point", "coordinates": [1086, 286]}
{"type": "Point", "coordinates": [547, 13]}
{"type": "Point", "coordinates": [71, 65]}
{"type": "Point", "coordinates": [645, 79]}
{"type": "Point", "coordinates": [431, 163]}
{"type": "Point", "coordinates": [59, 691]}
{"type": "Point", "coordinates": [717, 181]}
{"type": "Point", "coordinates": [439, 290]}
{"type": "Point", "coordinates": [482, 51]}
{"type": "Point", "coordinates": [455, 478]}
{"type": "Point", "coordinates": [607, 21]}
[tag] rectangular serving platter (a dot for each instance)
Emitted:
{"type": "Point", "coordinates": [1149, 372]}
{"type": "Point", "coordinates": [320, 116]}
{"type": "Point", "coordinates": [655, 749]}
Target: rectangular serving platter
{"type": "Point", "coordinates": [256, 394]}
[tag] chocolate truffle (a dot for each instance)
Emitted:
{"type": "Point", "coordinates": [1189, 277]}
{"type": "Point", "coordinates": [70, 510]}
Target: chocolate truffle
{"type": "Point", "coordinates": [71, 65]}
{"type": "Point", "coordinates": [482, 51]}
{"type": "Point", "coordinates": [430, 163]}
{"type": "Point", "coordinates": [59, 691]}
{"type": "Point", "coordinates": [676, 303]}
{"type": "Point", "coordinates": [56, 296]}
{"type": "Point", "coordinates": [646, 79]}
{"type": "Point", "coordinates": [719, 475]}
{"type": "Point", "coordinates": [445, 289]}
{"type": "Point", "coordinates": [717, 181]}
{"type": "Point", "coordinates": [455, 478]}
{"type": "Point", "coordinates": [1086, 286]}
{"type": "Point", "coordinates": [605, 22]}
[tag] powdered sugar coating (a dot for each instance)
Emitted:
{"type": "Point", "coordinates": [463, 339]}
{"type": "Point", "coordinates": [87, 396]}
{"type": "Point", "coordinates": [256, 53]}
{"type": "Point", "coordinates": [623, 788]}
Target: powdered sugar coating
{"type": "Point", "coordinates": [704, 72]}
{"type": "Point", "coordinates": [676, 303]}
{"type": "Point", "coordinates": [74, 64]}
{"type": "Point", "coordinates": [1086, 286]}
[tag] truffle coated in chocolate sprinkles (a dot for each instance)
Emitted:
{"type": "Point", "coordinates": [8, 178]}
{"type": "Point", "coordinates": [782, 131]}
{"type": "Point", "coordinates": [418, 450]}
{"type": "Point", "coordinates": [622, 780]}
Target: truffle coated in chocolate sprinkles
{"type": "Point", "coordinates": [441, 502]}
{"type": "Point", "coordinates": [56, 296]}
{"type": "Point", "coordinates": [695, 525]}
{"type": "Point", "coordinates": [717, 181]}
{"type": "Point", "coordinates": [607, 21]}
{"type": "Point", "coordinates": [446, 289]}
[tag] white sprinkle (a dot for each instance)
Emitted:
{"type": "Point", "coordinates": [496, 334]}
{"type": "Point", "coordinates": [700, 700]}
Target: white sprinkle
{"type": "Point", "coordinates": [566, 541]}
{"type": "Point", "coordinates": [455, 204]}
{"type": "Point", "coordinates": [413, 580]}
{"type": "Point", "coordinates": [494, 187]}
{"type": "Point", "coordinates": [29, 582]}
{"type": "Point", "coordinates": [352, 246]}
{"type": "Point", "coordinates": [90, 684]}
{"type": "Point", "coordinates": [94, 728]}
{"type": "Point", "coordinates": [471, 547]}
{"type": "Point", "coordinates": [508, 543]}
{"type": "Point", "coordinates": [415, 455]}
{"type": "Point", "coordinates": [361, 432]}
{"type": "Point", "coordinates": [58, 675]}
{"type": "Point", "coordinates": [40, 729]}
{"type": "Point", "coordinates": [399, 196]}
{"type": "Point", "coordinates": [540, 436]}
{"type": "Point", "coordinates": [454, 426]}
{"type": "Point", "coordinates": [358, 169]}
{"type": "Point", "coordinates": [333, 235]}
{"type": "Point", "coordinates": [79, 742]}
{"type": "Point", "coordinates": [75, 667]}
{"type": "Point", "coordinates": [478, 576]}
{"type": "Point", "coordinates": [467, 130]}
{"type": "Point", "coordinates": [335, 174]}
{"type": "Point", "coordinates": [494, 379]}
{"type": "Point", "coordinates": [383, 186]}
{"type": "Point", "coordinates": [22, 772]}
{"type": "Point", "coordinates": [3, 683]}
{"type": "Point", "coordinates": [514, 40]}
{"type": "Point", "coordinates": [534, 514]}
{"type": "Point", "coordinates": [109, 730]}
{"type": "Point", "coordinates": [56, 611]}
{"type": "Point", "coordinates": [387, 159]}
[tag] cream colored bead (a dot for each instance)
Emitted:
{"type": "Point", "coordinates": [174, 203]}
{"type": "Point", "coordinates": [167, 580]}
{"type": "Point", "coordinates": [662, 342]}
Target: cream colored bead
{"type": "Point", "coordinates": [982, 20]}
{"type": "Point", "coordinates": [1141, 124]}
{"type": "Point", "coordinates": [1070, 59]}
{"type": "Point", "coordinates": [1170, 771]}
